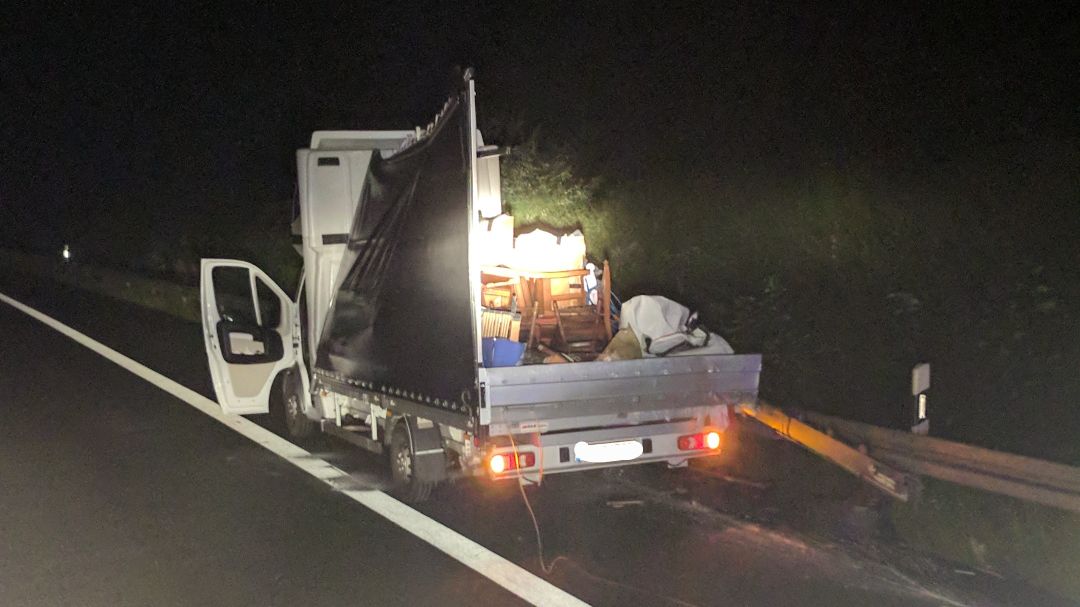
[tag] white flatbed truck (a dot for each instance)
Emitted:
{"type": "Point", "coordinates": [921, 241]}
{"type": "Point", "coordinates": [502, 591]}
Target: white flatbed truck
{"type": "Point", "coordinates": [381, 344]}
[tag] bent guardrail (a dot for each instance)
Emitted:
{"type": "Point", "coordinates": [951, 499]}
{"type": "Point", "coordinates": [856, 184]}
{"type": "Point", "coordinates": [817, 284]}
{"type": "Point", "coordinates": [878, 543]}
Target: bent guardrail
{"type": "Point", "coordinates": [1026, 478]}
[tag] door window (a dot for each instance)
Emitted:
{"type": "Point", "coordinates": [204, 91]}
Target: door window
{"type": "Point", "coordinates": [269, 305]}
{"type": "Point", "coordinates": [232, 290]}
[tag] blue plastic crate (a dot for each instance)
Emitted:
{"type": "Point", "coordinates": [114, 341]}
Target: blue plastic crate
{"type": "Point", "coordinates": [502, 352]}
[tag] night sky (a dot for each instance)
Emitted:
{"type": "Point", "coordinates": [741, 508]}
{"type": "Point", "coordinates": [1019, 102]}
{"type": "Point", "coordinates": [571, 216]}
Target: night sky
{"type": "Point", "coordinates": [166, 113]}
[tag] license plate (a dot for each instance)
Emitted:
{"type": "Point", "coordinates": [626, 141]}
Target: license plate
{"type": "Point", "coordinates": [602, 453]}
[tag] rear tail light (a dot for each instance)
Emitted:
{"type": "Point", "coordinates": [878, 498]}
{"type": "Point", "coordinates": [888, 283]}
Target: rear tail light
{"type": "Point", "coordinates": [712, 439]}
{"type": "Point", "coordinates": [504, 462]}
{"type": "Point", "coordinates": [702, 441]}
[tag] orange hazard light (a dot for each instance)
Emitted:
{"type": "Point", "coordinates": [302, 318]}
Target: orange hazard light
{"type": "Point", "coordinates": [712, 439]}
{"type": "Point", "coordinates": [503, 462]}
{"type": "Point", "coordinates": [709, 440]}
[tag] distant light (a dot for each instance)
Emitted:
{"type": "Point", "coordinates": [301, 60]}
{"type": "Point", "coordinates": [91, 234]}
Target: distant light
{"type": "Point", "coordinates": [66, 253]}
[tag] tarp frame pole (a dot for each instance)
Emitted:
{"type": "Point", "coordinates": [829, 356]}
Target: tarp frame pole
{"type": "Point", "coordinates": [474, 265]}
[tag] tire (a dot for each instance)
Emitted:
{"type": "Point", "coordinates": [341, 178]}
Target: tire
{"type": "Point", "coordinates": [406, 487]}
{"type": "Point", "coordinates": [294, 422]}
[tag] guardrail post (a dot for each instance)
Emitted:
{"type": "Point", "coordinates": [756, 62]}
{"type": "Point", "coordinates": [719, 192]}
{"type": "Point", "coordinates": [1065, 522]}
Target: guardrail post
{"type": "Point", "coordinates": [920, 383]}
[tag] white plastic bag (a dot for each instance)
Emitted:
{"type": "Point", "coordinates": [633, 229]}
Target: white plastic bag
{"type": "Point", "coordinates": [663, 326]}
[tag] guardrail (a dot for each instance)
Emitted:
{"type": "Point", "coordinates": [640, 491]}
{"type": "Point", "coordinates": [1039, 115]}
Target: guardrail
{"type": "Point", "coordinates": [892, 482]}
{"type": "Point", "coordinates": [1026, 478]}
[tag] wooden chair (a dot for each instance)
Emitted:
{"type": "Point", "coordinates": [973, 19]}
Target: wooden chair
{"type": "Point", "coordinates": [565, 321]}
{"type": "Point", "coordinates": [585, 328]}
{"type": "Point", "coordinates": [500, 323]}
{"type": "Point", "coordinates": [498, 295]}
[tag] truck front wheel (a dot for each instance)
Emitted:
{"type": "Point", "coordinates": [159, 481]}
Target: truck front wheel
{"type": "Point", "coordinates": [407, 487]}
{"type": "Point", "coordinates": [297, 424]}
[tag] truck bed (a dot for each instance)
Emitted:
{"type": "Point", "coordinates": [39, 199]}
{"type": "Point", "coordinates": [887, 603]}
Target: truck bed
{"type": "Point", "coordinates": [574, 396]}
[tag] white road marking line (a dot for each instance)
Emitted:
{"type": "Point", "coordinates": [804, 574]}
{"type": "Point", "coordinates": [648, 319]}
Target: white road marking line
{"type": "Point", "coordinates": [485, 562]}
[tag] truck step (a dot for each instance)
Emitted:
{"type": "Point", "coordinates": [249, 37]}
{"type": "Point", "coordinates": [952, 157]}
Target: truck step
{"type": "Point", "coordinates": [353, 434]}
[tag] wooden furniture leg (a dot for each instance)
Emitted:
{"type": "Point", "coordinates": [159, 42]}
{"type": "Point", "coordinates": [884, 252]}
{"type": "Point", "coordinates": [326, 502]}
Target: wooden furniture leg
{"type": "Point", "coordinates": [603, 300]}
{"type": "Point", "coordinates": [532, 326]}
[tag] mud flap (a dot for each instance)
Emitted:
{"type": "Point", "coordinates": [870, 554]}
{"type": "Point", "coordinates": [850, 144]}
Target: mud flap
{"type": "Point", "coordinates": [428, 454]}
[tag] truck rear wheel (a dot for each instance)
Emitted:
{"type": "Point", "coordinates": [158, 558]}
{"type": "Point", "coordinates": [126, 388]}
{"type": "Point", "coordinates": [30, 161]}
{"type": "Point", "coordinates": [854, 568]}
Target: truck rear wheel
{"type": "Point", "coordinates": [406, 487]}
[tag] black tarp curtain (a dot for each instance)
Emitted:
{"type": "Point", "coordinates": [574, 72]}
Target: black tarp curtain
{"type": "Point", "coordinates": [401, 317]}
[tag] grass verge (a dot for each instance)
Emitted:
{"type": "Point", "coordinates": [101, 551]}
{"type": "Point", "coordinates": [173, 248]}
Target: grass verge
{"type": "Point", "coordinates": [994, 533]}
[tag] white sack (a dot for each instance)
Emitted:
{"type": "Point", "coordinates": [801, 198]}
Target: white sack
{"type": "Point", "coordinates": [661, 325]}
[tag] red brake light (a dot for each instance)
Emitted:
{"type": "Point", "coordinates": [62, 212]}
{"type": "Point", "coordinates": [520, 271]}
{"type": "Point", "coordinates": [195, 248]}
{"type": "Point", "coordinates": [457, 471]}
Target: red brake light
{"type": "Point", "coordinates": [689, 442]}
{"type": "Point", "coordinates": [701, 441]}
{"type": "Point", "coordinates": [503, 462]}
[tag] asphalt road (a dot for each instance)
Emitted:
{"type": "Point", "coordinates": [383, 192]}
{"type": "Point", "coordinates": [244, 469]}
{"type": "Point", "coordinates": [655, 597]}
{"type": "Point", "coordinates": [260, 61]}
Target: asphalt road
{"type": "Point", "coordinates": [113, 492]}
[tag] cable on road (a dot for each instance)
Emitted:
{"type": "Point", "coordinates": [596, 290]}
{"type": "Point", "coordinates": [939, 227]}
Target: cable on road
{"type": "Point", "coordinates": [547, 568]}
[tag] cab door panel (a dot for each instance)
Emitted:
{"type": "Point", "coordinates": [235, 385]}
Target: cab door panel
{"type": "Point", "coordinates": [248, 328]}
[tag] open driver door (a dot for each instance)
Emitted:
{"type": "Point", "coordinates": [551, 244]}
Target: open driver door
{"type": "Point", "coordinates": [250, 333]}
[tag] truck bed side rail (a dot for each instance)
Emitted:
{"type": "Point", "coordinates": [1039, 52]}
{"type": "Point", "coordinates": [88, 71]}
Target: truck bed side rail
{"type": "Point", "coordinates": [557, 397]}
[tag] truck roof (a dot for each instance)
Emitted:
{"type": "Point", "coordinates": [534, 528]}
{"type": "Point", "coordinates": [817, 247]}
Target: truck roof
{"type": "Point", "coordinates": [357, 140]}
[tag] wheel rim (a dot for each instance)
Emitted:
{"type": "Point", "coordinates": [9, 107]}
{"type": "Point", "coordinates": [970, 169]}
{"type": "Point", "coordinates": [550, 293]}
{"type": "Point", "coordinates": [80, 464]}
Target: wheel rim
{"type": "Point", "coordinates": [403, 464]}
{"type": "Point", "coordinates": [292, 410]}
